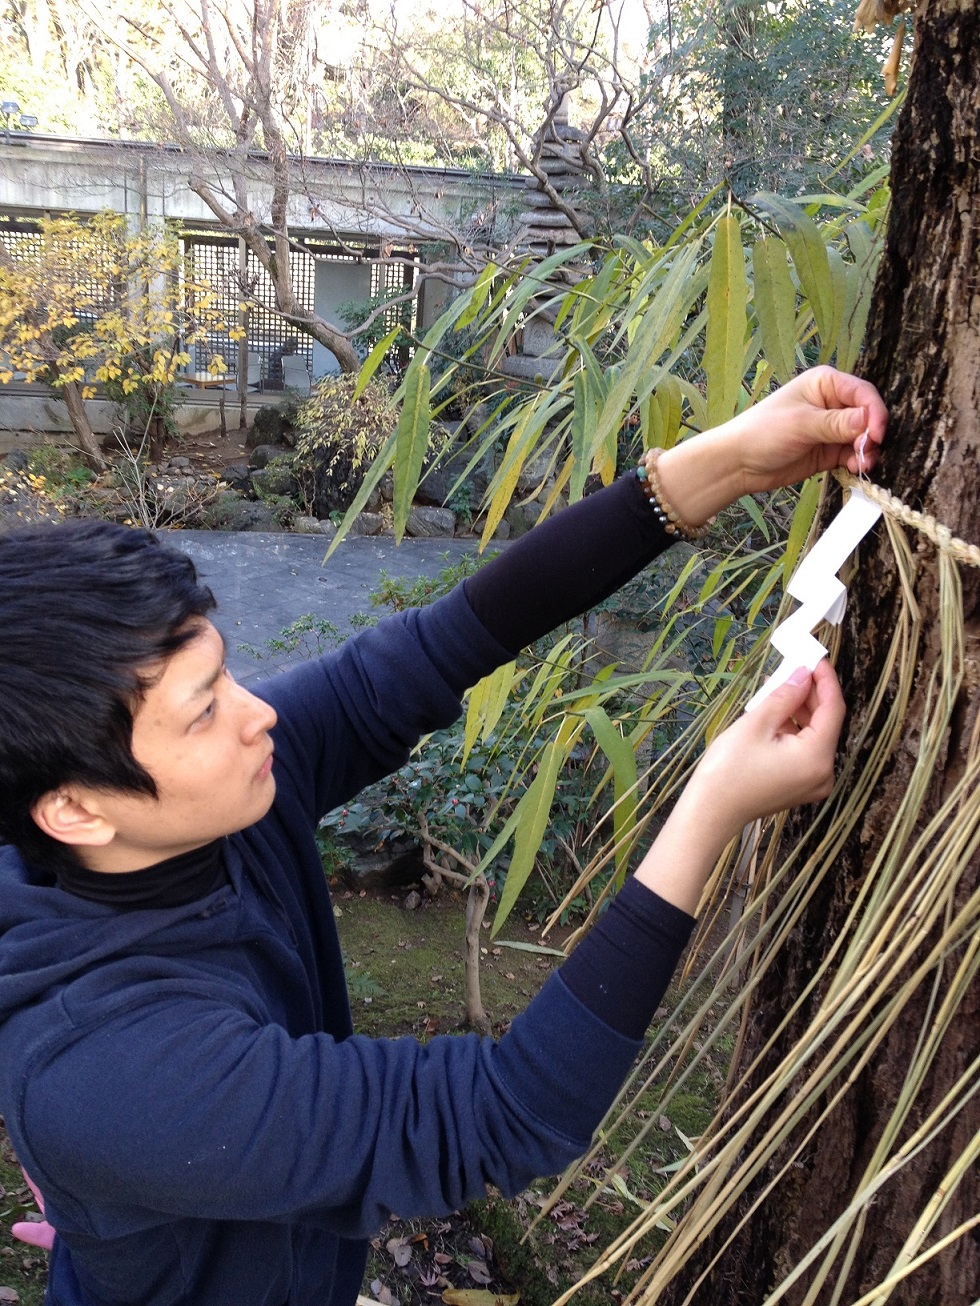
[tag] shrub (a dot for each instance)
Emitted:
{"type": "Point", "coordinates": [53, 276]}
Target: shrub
{"type": "Point", "coordinates": [276, 423]}
{"type": "Point", "coordinates": [338, 439]}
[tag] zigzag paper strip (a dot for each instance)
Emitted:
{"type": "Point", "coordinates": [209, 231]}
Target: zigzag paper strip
{"type": "Point", "coordinates": [821, 594]}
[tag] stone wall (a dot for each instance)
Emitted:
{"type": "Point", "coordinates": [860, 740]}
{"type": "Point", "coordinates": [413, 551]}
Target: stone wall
{"type": "Point", "coordinates": [33, 414]}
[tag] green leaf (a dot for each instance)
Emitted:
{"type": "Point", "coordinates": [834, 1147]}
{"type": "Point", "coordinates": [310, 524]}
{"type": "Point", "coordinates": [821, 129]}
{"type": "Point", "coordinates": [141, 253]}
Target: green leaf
{"type": "Point", "coordinates": [722, 627]}
{"type": "Point", "coordinates": [519, 946]}
{"type": "Point", "coordinates": [586, 405]}
{"type": "Point", "coordinates": [485, 706]}
{"type": "Point", "coordinates": [809, 253]}
{"type": "Point", "coordinates": [671, 404]}
{"type": "Point", "coordinates": [724, 349]}
{"type": "Point", "coordinates": [532, 814]}
{"type": "Point", "coordinates": [373, 361]}
{"type": "Point", "coordinates": [623, 763]}
{"type": "Point", "coordinates": [799, 528]}
{"type": "Point", "coordinates": [477, 296]}
{"type": "Point", "coordinates": [774, 296]}
{"type": "Point", "coordinates": [755, 512]}
{"type": "Point", "coordinates": [412, 440]}
{"type": "Point", "coordinates": [530, 422]}
{"type": "Point", "coordinates": [839, 275]}
{"type": "Point", "coordinates": [772, 578]}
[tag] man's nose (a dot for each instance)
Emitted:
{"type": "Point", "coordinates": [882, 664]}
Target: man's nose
{"type": "Point", "coordinates": [258, 716]}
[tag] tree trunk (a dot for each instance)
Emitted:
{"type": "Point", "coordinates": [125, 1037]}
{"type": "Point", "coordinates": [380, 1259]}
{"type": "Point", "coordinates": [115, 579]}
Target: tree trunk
{"type": "Point", "coordinates": [71, 393]}
{"type": "Point", "coordinates": [924, 356]}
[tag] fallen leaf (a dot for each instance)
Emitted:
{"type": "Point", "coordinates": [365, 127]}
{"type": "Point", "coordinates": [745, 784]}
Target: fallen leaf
{"type": "Point", "coordinates": [382, 1293]}
{"type": "Point", "coordinates": [479, 1297]}
{"type": "Point", "coordinates": [478, 1272]}
{"type": "Point", "coordinates": [399, 1250]}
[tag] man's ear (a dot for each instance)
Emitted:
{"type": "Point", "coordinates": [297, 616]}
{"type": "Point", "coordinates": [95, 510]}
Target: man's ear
{"type": "Point", "coordinates": [71, 816]}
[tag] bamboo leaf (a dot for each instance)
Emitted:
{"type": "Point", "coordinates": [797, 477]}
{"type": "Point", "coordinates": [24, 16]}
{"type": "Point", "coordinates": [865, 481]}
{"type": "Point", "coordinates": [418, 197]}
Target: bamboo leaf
{"type": "Point", "coordinates": [412, 440]}
{"type": "Point", "coordinates": [477, 296]}
{"type": "Point", "coordinates": [839, 276]}
{"type": "Point", "coordinates": [373, 361]}
{"type": "Point", "coordinates": [724, 350]}
{"type": "Point", "coordinates": [722, 627]}
{"type": "Point", "coordinates": [774, 296]}
{"type": "Point", "coordinates": [583, 433]}
{"type": "Point", "coordinates": [377, 469]}
{"type": "Point", "coordinates": [806, 510]}
{"type": "Point", "coordinates": [486, 703]}
{"type": "Point", "coordinates": [622, 760]}
{"type": "Point", "coordinates": [531, 820]}
{"type": "Point", "coordinates": [809, 253]}
{"type": "Point", "coordinates": [752, 509]}
{"type": "Point", "coordinates": [520, 446]}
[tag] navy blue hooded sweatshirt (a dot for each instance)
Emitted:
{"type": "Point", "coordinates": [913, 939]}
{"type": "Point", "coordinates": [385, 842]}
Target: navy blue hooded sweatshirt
{"type": "Point", "coordinates": [183, 1083]}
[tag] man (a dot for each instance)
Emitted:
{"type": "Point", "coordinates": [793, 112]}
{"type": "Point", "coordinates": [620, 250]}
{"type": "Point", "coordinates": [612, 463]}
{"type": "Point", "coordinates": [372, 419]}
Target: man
{"type": "Point", "coordinates": [275, 378]}
{"type": "Point", "coordinates": [178, 1072]}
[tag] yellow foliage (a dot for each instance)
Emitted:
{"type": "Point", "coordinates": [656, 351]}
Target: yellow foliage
{"type": "Point", "coordinates": [92, 297]}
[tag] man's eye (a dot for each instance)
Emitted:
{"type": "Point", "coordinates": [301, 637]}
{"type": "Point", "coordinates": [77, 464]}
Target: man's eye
{"type": "Point", "coordinates": [209, 711]}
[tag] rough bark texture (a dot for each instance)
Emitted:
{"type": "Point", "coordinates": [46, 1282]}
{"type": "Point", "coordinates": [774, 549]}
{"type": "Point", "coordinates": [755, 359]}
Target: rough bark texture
{"type": "Point", "coordinates": [71, 393]}
{"type": "Point", "coordinates": [924, 356]}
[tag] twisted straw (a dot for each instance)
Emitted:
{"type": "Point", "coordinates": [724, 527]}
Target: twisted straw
{"type": "Point", "coordinates": [941, 536]}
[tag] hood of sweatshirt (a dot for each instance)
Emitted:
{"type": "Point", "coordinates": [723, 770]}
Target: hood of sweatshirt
{"type": "Point", "coordinates": [48, 936]}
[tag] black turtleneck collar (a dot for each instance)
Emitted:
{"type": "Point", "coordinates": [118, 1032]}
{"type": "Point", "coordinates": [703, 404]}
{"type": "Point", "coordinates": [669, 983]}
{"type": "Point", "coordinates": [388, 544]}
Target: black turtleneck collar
{"type": "Point", "coordinates": [173, 883]}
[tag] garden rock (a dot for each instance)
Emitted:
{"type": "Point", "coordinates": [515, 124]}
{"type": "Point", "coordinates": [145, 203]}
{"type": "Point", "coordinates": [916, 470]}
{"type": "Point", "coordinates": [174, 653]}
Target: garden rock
{"type": "Point", "coordinates": [533, 473]}
{"type": "Point", "coordinates": [237, 476]}
{"type": "Point", "coordinates": [395, 863]}
{"type": "Point", "coordinates": [303, 525]}
{"type": "Point", "coordinates": [229, 512]}
{"type": "Point", "coordinates": [276, 479]}
{"type": "Point", "coordinates": [367, 523]}
{"type": "Point", "coordinates": [18, 460]}
{"type": "Point", "coordinates": [431, 523]}
{"type": "Point", "coordinates": [263, 454]}
{"type": "Point", "coordinates": [501, 533]}
{"type": "Point", "coordinates": [440, 482]}
{"type": "Point", "coordinates": [521, 517]}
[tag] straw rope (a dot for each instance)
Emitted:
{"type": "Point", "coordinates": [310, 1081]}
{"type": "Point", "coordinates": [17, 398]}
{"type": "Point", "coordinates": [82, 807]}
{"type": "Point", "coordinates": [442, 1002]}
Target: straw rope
{"type": "Point", "coordinates": [941, 536]}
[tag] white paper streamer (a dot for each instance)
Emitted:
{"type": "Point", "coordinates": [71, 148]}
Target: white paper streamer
{"type": "Point", "coordinates": [822, 596]}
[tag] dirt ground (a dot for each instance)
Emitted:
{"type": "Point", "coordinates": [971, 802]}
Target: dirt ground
{"type": "Point", "coordinates": [210, 450]}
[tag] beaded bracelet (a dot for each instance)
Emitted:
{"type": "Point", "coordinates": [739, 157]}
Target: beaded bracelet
{"type": "Point", "coordinates": [646, 474]}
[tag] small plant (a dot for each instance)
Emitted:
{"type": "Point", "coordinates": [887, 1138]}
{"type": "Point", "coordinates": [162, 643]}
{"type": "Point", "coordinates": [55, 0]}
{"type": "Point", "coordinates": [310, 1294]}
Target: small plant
{"type": "Point", "coordinates": [146, 398]}
{"type": "Point", "coordinates": [397, 593]}
{"type": "Point", "coordinates": [308, 635]}
{"type": "Point", "coordinates": [338, 438]}
{"type": "Point", "coordinates": [60, 470]}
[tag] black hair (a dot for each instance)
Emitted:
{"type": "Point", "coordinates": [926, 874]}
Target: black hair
{"type": "Point", "coordinates": [86, 610]}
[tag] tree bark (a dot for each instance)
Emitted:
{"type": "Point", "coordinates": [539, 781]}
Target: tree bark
{"type": "Point", "coordinates": [71, 393]}
{"type": "Point", "coordinates": [924, 355]}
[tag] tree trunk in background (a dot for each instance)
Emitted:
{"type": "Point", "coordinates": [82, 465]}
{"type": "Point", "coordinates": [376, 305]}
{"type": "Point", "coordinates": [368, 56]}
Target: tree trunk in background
{"type": "Point", "coordinates": [71, 393]}
{"type": "Point", "coordinates": [923, 354]}
{"type": "Point", "coordinates": [740, 147]}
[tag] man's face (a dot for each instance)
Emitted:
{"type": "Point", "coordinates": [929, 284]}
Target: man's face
{"type": "Point", "coordinates": [205, 741]}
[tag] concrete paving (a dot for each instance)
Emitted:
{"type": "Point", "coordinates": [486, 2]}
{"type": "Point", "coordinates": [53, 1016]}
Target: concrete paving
{"type": "Point", "coordinates": [263, 582]}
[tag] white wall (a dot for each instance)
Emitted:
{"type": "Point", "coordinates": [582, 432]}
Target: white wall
{"type": "Point", "coordinates": [335, 284]}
